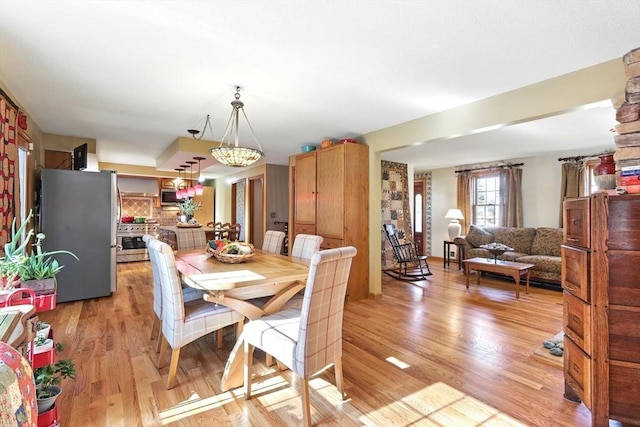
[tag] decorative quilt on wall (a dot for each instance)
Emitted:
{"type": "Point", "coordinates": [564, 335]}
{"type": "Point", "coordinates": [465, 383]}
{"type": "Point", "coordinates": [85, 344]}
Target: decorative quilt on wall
{"type": "Point", "coordinates": [9, 162]}
{"type": "Point", "coordinates": [395, 206]}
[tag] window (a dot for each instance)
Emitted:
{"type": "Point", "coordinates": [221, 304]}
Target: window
{"type": "Point", "coordinates": [487, 200]}
{"type": "Point", "coordinates": [590, 186]}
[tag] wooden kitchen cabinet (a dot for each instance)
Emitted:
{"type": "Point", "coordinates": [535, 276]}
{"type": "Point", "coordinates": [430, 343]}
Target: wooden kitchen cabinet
{"type": "Point", "coordinates": [330, 198]}
{"type": "Point", "coordinates": [600, 258]}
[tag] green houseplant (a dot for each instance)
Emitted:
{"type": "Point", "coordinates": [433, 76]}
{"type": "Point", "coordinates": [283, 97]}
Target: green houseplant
{"type": "Point", "coordinates": [47, 379]}
{"type": "Point", "coordinates": [36, 270]}
{"type": "Point", "coordinates": [14, 255]}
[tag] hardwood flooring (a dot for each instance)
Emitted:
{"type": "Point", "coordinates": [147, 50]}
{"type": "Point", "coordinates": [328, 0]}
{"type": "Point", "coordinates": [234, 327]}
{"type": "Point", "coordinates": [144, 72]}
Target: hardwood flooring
{"type": "Point", "coordinates": [445, 356]}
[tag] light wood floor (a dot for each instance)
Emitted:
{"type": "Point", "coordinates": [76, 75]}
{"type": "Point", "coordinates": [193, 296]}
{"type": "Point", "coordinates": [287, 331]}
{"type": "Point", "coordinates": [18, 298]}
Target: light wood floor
{"type": "Point", "coordinates": [445, 357]}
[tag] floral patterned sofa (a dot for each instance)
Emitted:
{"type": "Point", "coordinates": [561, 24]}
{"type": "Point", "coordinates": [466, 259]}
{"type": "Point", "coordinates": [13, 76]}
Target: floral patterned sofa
{"type": "Point", "coordinates": [538, 246]}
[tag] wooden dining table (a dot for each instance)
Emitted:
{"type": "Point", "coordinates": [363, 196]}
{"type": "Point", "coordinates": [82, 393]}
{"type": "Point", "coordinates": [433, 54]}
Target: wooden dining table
{"type": "Point", "coordinates": [238, 285]}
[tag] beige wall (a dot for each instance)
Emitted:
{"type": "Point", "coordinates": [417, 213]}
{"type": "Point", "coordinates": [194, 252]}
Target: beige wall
{"type": "Point", "coordinates": [544, 99]}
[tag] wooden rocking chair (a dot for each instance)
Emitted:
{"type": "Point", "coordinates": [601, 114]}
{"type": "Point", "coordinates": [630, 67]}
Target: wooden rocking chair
{"type": "Point", "coordinates": [411, 266]}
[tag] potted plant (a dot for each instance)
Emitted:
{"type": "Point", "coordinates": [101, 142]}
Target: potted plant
{"type": "Point", "coordinates": [188, 207]}
{"type": "Point", "coordinates": [47, 379]}
{"type": "Point", "coordinates": [36, 270]}
{"type": "Point", "coordinates": [14, 256]}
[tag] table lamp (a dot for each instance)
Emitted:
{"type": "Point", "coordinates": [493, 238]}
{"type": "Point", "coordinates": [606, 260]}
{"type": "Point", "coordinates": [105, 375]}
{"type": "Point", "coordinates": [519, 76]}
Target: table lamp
{"type": "Point", "coordinates": [454, 226]}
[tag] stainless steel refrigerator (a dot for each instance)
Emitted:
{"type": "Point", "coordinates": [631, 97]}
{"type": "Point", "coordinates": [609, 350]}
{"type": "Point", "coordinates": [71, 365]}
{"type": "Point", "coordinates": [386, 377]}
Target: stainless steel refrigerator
{"type": "Point", "coordinates": [78, 213]}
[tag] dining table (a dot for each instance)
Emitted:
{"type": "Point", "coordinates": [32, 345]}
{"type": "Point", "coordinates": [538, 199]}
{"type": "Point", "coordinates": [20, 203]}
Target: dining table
{"type": "Point", "coordinates": [257, 287]}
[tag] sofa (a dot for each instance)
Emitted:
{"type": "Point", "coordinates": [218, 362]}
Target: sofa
{"type": "Point", "coordinates": [538, 246]}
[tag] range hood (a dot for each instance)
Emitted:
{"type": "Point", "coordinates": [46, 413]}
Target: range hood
{"type": "Point", "coordinates": [147, 187]}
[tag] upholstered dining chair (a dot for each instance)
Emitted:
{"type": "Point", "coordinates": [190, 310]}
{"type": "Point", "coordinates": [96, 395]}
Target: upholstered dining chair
{"type": "Point", "coordinates": [305, 245]}
{"type": "Point", "coordinates": [273, 241]}
{"type": "Point", "coordinates": [189, 294]}
{"type": "Point", "coordinates": [191, 238]}
{"type": "Point", "coordinates": [183, 323]}
{"type": "Point", "coordinates": [307, 340]}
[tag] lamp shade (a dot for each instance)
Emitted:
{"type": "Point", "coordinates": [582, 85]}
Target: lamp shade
{"type": "Point", "coordinates": [454, 214]}
{"type": "Point", "coordinates": [454, 229]}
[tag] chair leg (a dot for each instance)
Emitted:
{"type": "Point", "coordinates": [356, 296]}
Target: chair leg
{"type": "Point", "coordinates": [337, 367]}
{"type": "Point", "coordinates": [306, 408]}
{"type": "Point", "coordinates": [248, 369]}
{"type": "Point", "coordinates": [173, 367]}
{"type": "Point", "coordinates": [220, 337]}
{"type": "Point", "coordinates": [155, 327]}
{"type": "Point", "coordinates": [164, 345]}
{"type": "Point", "coordinates": [159, 339]}
{"type": "Point", "coordinates": [269, 360]}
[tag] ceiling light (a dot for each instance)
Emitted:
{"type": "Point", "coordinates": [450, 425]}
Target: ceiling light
{"type": "Point", "coordinates": [199, 187]}
{"type": "Point", "coordinates": [233, 154]}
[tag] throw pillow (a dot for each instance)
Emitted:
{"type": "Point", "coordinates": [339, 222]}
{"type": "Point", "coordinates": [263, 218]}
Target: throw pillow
{"type": "Point", "coordinates": [547, 241]}
{"type": "Point", "coordinates": [478, 236]}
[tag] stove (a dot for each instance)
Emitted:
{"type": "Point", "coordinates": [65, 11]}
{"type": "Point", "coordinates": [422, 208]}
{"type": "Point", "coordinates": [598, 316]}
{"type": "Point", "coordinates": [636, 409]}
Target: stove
{"type": "Point", "coordinates": [131, 247]}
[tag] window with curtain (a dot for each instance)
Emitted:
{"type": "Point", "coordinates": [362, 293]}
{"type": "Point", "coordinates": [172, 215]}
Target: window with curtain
{"type": "Point", "coordinates": [487, 200]}
{"type": "Point", "coordinates": [491, 197]}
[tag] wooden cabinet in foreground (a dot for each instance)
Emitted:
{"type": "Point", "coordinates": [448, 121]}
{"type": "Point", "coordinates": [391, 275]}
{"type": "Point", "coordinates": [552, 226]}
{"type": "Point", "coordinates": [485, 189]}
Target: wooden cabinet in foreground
{"type": "Point", "coordinates": [600, 259]}
{"type": "Point", "coordinates": [330, 198]}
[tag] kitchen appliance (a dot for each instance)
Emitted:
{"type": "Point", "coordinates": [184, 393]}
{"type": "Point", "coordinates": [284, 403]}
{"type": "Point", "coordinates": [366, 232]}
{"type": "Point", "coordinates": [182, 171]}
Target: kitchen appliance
{"type": "Point", "coordinates": [130, 243]}
{"type": "Point", "coordinates": [78, 213]}
{"type": "Point", "coordinates": [168, 197]}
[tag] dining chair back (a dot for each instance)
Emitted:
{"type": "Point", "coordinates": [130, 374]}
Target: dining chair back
{"type": "Point", "coordinates": [273, 241]}
{"type": "Point", "coordinates": [182, 323]}
{"type": "Point", "coordinates": [189, 294]}
{"type": "Point", "coordinates": [305, 245]}
{"type": "Point", "coordinates": [234, 232]}
{"type": "Point", "coordinates": [191, 238]}
{"type": "Point", "coordinates": [310, 339]}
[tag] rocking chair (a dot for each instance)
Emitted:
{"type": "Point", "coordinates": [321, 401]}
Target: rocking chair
{"type": "Point", "coordinates": [411, 266]}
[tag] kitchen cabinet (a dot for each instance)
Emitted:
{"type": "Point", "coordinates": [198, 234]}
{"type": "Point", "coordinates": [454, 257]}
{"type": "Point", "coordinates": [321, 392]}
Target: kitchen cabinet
{"type": "Point", "coordinates": [330, 198]}
{"type": "Point", "coordinates": [601, 319]}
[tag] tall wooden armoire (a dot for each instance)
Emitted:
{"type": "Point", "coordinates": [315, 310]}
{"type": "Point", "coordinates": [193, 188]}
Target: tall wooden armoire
{"type": "Point", "coordinates": [330, 197]}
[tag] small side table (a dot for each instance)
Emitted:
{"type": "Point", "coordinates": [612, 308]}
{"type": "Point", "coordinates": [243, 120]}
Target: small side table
{"type": "Point", "coordinates": [447, 254]}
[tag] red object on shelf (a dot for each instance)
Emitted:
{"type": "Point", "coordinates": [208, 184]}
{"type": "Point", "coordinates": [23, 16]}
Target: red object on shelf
{"type": "Point", "coordinates": [49, 418]}
{"type": "Point", "coordinates": [46, 357]}
{"type": "Point", "coordinates": [27, 296]}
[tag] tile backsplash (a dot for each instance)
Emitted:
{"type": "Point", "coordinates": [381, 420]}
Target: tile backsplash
{"type": "Point", "coordinates": [146, 207]}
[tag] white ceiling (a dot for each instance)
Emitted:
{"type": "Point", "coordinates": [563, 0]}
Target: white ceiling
{"type": "Point", "coordinates": [136, 75]}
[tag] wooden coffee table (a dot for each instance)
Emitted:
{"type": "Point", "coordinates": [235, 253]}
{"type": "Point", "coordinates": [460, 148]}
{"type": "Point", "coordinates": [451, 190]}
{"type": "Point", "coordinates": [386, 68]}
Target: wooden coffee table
{"type": "Point", "coordinates": [509, 268]}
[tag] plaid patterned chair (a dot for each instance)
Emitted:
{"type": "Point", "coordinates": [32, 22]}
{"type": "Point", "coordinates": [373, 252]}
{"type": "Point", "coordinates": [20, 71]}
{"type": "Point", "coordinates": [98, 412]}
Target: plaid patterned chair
{"type": "Point", "coordinates": [189, 294]}
{"type": "Point", "coordinates": [191, 238]}
{"type": "Point", "coordinates": [305, 245]}
{"type": "Point", "coordinates": [307, 340]}
{"type": "Point", "coordinates": [182, 322]}
{"type": "Point", "coordinates": [273, 241]}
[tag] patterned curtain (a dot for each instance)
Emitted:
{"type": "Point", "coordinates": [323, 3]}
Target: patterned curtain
{"type": "Point", "coordinates": [395, 206]}
{"type": "Point", "coordinates": [9, 182]}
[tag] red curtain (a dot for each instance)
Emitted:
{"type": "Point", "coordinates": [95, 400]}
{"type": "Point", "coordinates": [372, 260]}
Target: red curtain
{"type": "Point", "coordinates": [9, 185]}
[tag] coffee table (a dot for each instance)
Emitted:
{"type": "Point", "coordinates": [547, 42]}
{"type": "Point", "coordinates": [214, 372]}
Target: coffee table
{"type": "Point", "coordinates": [509, 268]}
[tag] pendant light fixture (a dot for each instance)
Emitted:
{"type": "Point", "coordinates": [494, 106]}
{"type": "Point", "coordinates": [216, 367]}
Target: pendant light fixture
{"type": "Point", "coordinates": [232, 154]}
{"type": "Point", "coordinates": [191, 189]}
{"type": "Point", "coordinates": [178, 182]}
{"type": "Point", "coordinates": [184, 192]}
{"type": "Point", "coordinates": [199, 187]}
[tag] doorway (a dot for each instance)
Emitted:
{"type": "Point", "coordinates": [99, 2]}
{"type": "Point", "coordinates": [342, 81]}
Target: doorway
{"type": "Point", "coordinates": [419, 214]}
{"type": "Point", "coordinates": [257, 213]}
{"type": "Point", "coordinates": [238, 213]}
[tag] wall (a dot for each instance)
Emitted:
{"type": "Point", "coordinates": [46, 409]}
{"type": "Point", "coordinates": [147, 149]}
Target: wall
{"type": "Point", "coordinates": [541, 178]}
{"type": "Point", "coordinates": [544, 99]}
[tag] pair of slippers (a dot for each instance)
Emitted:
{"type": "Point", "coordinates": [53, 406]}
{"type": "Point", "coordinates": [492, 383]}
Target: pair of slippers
{"type": "Point", "coordinates": [555, 346]}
